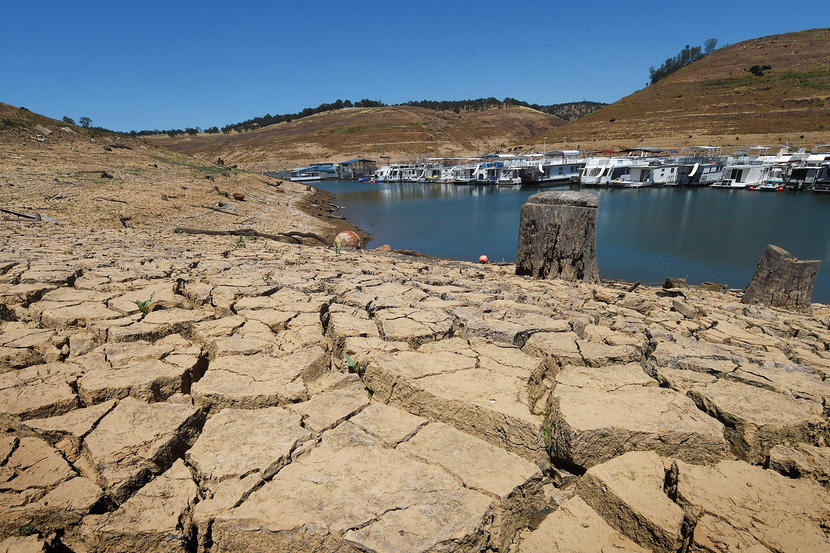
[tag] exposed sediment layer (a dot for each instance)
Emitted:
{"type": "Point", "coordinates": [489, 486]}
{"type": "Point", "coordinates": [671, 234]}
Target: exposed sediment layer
{"type": "Point", "coordinates": [481, 411]}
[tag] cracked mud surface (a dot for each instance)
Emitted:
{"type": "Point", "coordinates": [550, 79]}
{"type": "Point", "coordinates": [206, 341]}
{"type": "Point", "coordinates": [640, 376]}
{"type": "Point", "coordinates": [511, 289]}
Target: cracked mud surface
{"type": "Point", "coordinates": [489, 413]}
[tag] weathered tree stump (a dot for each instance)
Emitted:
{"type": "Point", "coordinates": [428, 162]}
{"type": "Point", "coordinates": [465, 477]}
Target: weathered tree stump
{"type": "Point", "coordinates": [781, 280]}
{"type": "Point", "coordinates": [675, 282]}
{"type": "Point", "coordinates": [558, 236]}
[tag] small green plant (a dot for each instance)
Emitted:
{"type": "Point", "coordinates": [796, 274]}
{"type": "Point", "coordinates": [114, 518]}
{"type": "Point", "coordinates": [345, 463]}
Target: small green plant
{"type": "Point", "coordinates": [546, 436]}
{"type": "Point", "coordinates": [337, 246]}
{"type": "Point", "coordinates": [240, 242]}
{"type": "Point", "coordinates": [28, 530]}
{"type": "Point", "coordinates": [354, 365]}
{"type": "Point", "coordinates": [144, 306]}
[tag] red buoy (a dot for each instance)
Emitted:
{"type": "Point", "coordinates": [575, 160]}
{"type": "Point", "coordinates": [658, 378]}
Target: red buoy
{"type": "Point", "coordinates": [780, 188]}
{"type": "Point", "coordinates": [482, 258]}
{"type": "Point", "coordinates": [752, 188]}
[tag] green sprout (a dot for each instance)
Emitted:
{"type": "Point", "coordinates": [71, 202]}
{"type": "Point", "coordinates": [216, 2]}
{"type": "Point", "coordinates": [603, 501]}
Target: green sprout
{"type": "Point", "coordinates": [546, 436]}
{"type": "Point", "coordinates": [239, 242]}
{"type": "Point", "coordinates": [354, 365]}
{"type": "Point", "coordinates": [144, 306]}
{"type": "Point", "coordinates": [337, 246]}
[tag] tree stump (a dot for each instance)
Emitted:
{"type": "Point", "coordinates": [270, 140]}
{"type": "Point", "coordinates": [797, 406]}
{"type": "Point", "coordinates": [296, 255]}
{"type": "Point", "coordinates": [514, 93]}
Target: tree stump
{"type": "Point", "coordinates": [558, 236]}
{"type": "Point", "coordinates": [781, 280]}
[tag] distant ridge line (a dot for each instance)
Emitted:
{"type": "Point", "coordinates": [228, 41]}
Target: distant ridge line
{"type": "Point", "coordinates": [569, 111]}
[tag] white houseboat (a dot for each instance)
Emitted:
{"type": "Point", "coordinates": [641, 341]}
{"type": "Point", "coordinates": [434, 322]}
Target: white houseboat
{"type": "Point", "coordinates": [314, 172]}
{"type": "Point", "coordinates": [560, 166]}
{"type": "Point", "coordinates": [488, 172]}
{"type": "Point", "coordinates": [634, 175]}
{"type": "Point", "coordinates": [740, 175]}
{"type": "Point", "coordinates": [598, 170]}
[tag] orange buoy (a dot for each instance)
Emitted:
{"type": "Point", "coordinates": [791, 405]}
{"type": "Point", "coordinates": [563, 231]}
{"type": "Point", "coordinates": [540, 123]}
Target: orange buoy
{"type": "Point", "coordinates": [482, 258]}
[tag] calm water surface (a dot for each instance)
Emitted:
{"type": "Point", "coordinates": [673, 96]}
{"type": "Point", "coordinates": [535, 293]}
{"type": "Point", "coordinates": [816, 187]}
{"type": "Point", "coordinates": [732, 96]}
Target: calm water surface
{"type": "Point", "coordinates": [646, 234]}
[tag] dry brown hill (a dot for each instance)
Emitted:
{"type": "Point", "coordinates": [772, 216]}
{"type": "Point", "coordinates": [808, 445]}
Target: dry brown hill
{"type": "Point", "coordinates": [399, 132]}
{"type": "Point", "coordinates": [718, 98]}
{"type": "Point", "coordinates": [91, 178]}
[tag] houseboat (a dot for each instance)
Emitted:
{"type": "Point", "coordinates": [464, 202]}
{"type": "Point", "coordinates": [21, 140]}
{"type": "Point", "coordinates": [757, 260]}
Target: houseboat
{"type": "Point", "coordinates": [431, 172]}
{"type": "Point", "coordinates": [561, 166]}
{"type": "Point", "coordinates": [804, 175]}
{"type": "Point", "coordinates": [598, 170]}
{"type": "Point", "coordinates": [488, 172]}
{"type": "Point", "coordinates": [743, 175]}
{"type": "Point", "coordinates": [634, 175]}
{"type": "Point", "coordinates": [822, 182]}
{"type": "Point", "coordinates": [460, 174]}
{"type": "Point", "coordinates": [314, 172]}
{"type": "Point", "coordinates": [705, 173]}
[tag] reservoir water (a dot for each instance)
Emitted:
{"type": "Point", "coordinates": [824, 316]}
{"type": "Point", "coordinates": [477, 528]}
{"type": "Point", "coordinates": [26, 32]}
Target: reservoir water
{"type": "Point", "coordinates": [642, 234]}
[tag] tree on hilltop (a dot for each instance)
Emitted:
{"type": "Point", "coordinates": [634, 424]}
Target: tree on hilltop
{"type": "Point", "coordinates": [85, 122]}
{"type": "Point", "coordinates": [709, 46]}
{"type": "Point", "coordinates": [683, 58]}
{"type": "Point", "coordinates": [69, 120]}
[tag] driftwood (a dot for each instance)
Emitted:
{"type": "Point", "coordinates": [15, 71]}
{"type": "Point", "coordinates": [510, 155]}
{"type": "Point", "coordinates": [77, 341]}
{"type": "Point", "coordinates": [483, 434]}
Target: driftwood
{"type": "Point", "coordinates": [34, 217]}
{"type": "Point", "coordinates": [109, 199]}
{"type": "Point", "coordinates": [58, 196]}
{"type": "Point", "coordinates": [413, 253]}
{"type": "Point", "coordinates": [634, 286]}
{"type": "Point", "coordinates": [290, 237]}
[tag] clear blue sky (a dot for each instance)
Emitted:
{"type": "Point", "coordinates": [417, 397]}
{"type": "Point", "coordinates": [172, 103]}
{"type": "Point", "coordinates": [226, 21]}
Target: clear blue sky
{"type": "Point", "coordinates": [135, 65]}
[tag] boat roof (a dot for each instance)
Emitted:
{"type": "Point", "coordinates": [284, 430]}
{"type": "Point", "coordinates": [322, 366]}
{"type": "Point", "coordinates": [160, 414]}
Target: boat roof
{"type": "Point", "coordinates": [563, 153]}
{"type": "Point", "coordinates": [325, 167]}
{"type": "Point", "coordinates": [357, 160]}
{"type": "Point", "coordinates": [643, 149]}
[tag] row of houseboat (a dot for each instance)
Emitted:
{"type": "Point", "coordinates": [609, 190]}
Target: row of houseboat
{"type": "Point", "coordinates": [754, 169]}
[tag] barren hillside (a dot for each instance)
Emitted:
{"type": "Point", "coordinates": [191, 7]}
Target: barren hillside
{"type": "Point", "coordinates": [90, 178]}
{"type": "Point", "coordinates": [719, 98]}
{"type": "Point", "coordinates": [399, 132]}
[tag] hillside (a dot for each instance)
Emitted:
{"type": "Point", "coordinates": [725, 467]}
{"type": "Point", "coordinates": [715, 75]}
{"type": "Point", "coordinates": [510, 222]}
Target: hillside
{"type": "Point", "coordinates": [571, 111]}
{"type": "Point", "coordinates": [718, 98]}
{"type": "Point", "coordinates": [399, 132]}
{"type": "Point", "coordinates": [91, 178]}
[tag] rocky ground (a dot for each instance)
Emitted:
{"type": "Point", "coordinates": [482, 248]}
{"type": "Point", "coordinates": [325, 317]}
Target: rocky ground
{"type": "Point", "coordinates": [279, 397]}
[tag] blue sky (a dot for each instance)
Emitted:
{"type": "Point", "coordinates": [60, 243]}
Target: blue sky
{"type": "Point", "coordinates": [134, 65]}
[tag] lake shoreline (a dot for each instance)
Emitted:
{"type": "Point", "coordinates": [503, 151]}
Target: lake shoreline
{"type": "Point", "coordinates": [643, 235]}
